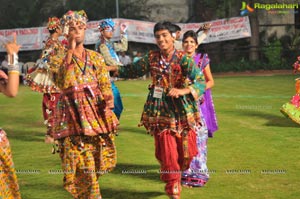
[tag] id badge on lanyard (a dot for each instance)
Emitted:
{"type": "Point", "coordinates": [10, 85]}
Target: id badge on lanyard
{"type": "Point", "coordinates": [158, 91]}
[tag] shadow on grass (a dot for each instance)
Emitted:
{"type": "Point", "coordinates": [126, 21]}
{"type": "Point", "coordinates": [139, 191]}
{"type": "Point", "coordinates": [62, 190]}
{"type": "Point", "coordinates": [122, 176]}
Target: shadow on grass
{"type": "Point", "coordinates": [43, 190]}
{"type": "Point", "coordinates": [278, 120]}
{"type": "Point", "coordinates": [148, 172]}
{"type": "Point", "coordinates": [26, 135]}
{"type": "Point", "coordinates": [25, 131]}
{"type": "Point", "coordinates": [30, 138]}
{"type": "Point", "coordinates": [109, 193]}
{"type": "Point", "coordinates": [52, 190]}
{"type": "Point", "coordinates": [134, 129]}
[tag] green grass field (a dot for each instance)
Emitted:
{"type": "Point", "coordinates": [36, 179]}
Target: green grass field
{"type": "Point", "coordinates": [255, 153]}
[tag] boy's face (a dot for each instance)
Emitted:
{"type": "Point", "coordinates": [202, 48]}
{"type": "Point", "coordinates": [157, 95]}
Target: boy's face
{"type": "Point", "coordinates": [164, 39]}
{"type": "Point", "coordinates": [77, 31]}
{"type": "Point", "coordinates": [107, 33]}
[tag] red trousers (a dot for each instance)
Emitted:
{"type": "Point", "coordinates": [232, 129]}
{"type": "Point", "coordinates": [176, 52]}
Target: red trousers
{"type": "Point", "coordinates": [174, 154]}
{"type": "Point", "coordinates": [49, 109]}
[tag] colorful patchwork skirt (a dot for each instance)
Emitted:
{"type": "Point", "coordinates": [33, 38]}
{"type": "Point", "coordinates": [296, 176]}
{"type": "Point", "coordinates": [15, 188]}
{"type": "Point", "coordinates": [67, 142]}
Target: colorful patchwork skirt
{"type": "Point", "coordinates": [9, 188]}
{"type": "Point", "coordinates": [82, 110]}
{"type": "Point", "coordinates": [291, 109]}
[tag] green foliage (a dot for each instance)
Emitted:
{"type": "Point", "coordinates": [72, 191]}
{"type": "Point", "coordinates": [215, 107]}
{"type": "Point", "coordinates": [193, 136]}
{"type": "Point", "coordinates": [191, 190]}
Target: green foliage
{"type": "Point", "coordinates": [273, 53]}
{"type": "Point", "coordinates": [223, 9]}
{"type": "Point", "coordinates": [243, 65]}
{"type": "Point", "coordinates": [291, 48]}
{"type": "Point", "coordinates": [96, 10]}
{"type": "Point", "coordinates": [239, 66]}
{"type": "Point", "coordinates": [33, 13]}
{"type": "Point", "coordinates": [29, 13]}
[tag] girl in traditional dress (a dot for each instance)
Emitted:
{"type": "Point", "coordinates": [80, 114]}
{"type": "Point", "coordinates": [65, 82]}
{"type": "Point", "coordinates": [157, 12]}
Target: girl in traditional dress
{"type": "Point", "coordinates": [197, 175]}
{"type": "Point", "coordinates": [291, 109]}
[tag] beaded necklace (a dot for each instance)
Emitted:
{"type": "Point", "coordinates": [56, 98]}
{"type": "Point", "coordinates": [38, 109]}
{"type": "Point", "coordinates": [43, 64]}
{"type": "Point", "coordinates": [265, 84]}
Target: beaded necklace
{"type": "Point", "coordinates": [165, 68]}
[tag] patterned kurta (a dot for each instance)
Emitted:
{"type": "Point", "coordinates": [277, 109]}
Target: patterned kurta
{"type": "Point", "coordinates": [175, 114]}
{"type": "Point", "coordinates": [86, 100]}
{"type": "Point", "coordinates": [9, 188]}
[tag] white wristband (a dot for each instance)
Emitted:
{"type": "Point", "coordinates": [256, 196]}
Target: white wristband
{"type": "Point", "coordinates": [12, 59]}
{"type": "Point", "coordinates": [13, 62]}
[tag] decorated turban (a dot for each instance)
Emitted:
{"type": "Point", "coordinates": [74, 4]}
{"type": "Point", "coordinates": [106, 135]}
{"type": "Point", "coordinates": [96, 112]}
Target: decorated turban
{"type": "Point", "coordinates": [53, 23]}
{"type": "Point", "coordinates": [106, 24]}
{"type": "Point", "coordinates": [73, 17]}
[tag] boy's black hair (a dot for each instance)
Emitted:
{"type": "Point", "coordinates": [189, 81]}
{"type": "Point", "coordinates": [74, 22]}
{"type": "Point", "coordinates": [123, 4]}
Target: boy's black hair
{"type": "Point", "coordinates": [177, 28]}
{"type": "Point", "coordinates": [164, 25]}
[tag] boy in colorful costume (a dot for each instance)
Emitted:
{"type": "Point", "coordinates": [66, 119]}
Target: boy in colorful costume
{"type": "Point", "coordinates": [41, 77]}
{"type": "Point", "coordinates": [87, 124]}
{"type": "Point", "coordinates": [170, 113]}
{"type": "Point", "coordinates": [108, 50]}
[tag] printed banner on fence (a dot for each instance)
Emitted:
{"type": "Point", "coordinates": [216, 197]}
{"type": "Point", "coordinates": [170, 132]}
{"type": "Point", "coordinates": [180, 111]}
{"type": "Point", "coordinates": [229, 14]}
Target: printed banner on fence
{"type": "Point", "coordinates": [29, 38]}
{"type": "Point", "coordinates": [138, 31]}
{"type": "Point", "coordinates": [223, 29]}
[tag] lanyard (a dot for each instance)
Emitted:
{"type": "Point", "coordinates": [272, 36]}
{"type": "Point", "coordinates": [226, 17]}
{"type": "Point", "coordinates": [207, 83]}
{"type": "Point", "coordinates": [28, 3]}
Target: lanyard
{"type": "Point", "coordinates": [85, 62]}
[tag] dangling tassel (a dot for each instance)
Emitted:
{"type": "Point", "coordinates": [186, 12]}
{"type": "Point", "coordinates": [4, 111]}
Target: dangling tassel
{"type": "Point", "coordinates": [55, 149]}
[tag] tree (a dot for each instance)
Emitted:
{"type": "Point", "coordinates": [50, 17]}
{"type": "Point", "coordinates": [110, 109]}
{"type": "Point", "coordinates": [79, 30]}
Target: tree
{"type": "Point", "coordinates": [206, 10]}
{"type": "Point", "coordinates": [29, 13]}
{"type": "Point", "coordinates": [134, 9]}
{"type": "Point", "coordinates": [95, 10]}
{"type": "Point", "coordinates": [254, 39]}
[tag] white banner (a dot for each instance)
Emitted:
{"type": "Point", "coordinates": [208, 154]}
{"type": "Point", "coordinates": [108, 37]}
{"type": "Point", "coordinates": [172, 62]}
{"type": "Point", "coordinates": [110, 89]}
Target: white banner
{"type": "Point", "coordinates": [229, 29]}
{"type": "Point", "coordinates": [138, 31]}
{"type": "Point", "coordinates": [29, 38]}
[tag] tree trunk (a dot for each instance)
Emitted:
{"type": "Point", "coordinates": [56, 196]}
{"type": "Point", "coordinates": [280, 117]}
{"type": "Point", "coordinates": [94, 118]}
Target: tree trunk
{"type": "Point", "coordinates": [254, 39]}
